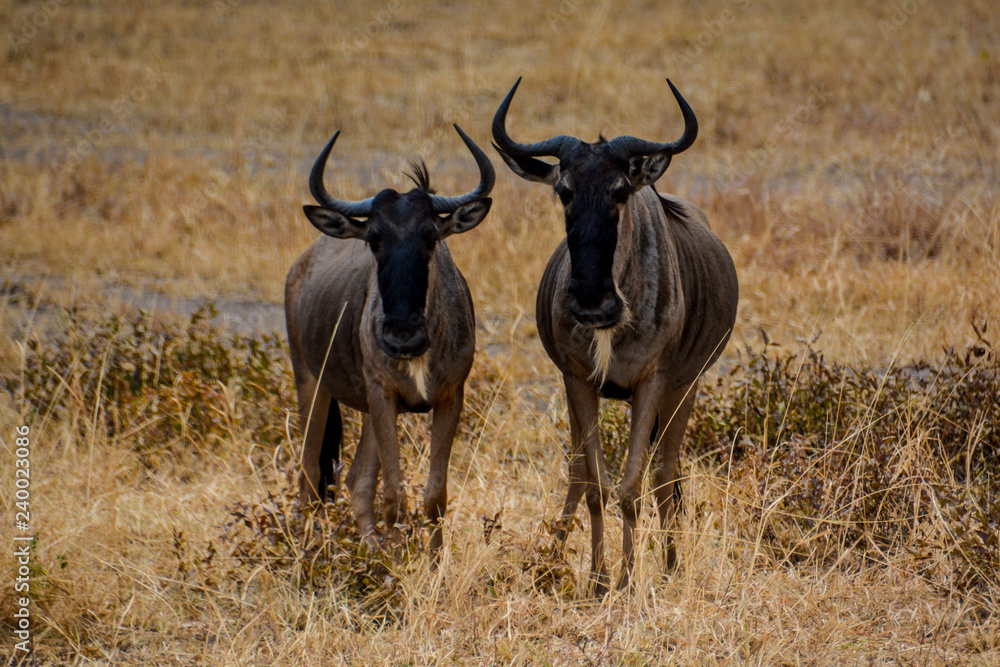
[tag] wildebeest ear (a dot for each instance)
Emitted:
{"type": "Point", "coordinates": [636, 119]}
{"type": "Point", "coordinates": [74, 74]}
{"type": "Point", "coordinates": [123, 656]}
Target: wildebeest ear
{"type": "Point", "coordinates": [465, 217]}
{"type": "Point", "coordinates": [531, 169]}
{"type": "Point", "coordinates": [335, 224]}
{"type": "Point", "coordinates": [646, 171]}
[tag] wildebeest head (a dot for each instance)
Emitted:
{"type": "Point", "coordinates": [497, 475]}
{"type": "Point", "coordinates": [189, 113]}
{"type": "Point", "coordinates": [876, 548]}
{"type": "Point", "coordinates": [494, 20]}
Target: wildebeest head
{"type": "Point", "coordinates": [594, 183]}
{"type": "Point", "coordinates": [402, 231]}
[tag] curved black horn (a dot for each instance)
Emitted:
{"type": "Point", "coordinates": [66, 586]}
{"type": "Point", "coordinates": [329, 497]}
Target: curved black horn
{"type": "Point", "coordinates": [627, 147]}
{"type": "Point", "coordinates": [360, 209]}
{"type": "Point", "coordinates": [487, 176]}
{"type": "Point", "coordinates": [559, 146]}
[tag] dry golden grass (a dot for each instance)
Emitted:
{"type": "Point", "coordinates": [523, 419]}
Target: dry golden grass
{"type": "Point", "coordinates": [848, 157]}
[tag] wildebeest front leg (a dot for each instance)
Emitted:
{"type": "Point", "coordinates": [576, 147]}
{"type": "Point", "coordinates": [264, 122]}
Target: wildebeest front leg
{"type": "Point", "coordinates": [587, 458]}
{"type": "Point", "coordinates": [382, 404]}
{"type": "Point", "coordinates": [362, 478]}
{"type": "Point", "coordinates": [645, 403]}
{"type": "Point", "coordinates": [675, 410]}
{"type": "Point", "coordinates": [443, 429]}
{"type": "Point", "coordinates": [577, 477]}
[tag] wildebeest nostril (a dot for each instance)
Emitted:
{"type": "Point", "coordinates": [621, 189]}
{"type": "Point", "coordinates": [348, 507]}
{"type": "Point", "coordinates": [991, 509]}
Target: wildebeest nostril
{"type": "Point", "coordinates": [606, 313]}
{"type": "Point", "coordinates": [404, 345]}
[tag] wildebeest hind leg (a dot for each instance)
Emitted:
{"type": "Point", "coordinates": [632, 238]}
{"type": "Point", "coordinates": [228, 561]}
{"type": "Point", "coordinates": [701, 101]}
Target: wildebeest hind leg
{"type": "Point", "coordinates": [312, 419]}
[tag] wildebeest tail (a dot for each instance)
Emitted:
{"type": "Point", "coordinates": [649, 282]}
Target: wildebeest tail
{"type": "Point", "coordinates": [329, 455]}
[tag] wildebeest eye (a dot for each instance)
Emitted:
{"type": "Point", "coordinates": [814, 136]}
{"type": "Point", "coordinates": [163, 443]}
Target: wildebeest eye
{"type": "Point", "coordinates": [565, 192]}
{"type": "Point", "coordinates": [620, 192]}
{"type": "Point", "coordinates": [374, 241]}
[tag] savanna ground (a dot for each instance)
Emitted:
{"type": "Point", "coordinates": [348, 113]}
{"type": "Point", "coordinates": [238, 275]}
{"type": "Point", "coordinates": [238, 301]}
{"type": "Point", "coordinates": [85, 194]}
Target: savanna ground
{"type": "Point", "coordinates": [841, 485]}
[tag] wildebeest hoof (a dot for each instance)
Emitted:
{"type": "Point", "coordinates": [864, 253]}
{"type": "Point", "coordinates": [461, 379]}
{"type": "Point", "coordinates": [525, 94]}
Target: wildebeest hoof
{"type": "Point", "coordinates": [599, 584]}
{"type": "Point", "coordinates": [372, 542]}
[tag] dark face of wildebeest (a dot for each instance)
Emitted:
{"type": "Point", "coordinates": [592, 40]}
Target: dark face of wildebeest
{"type": "Point", "coordinates": [594, 183]}
{"type": "Point", "coordinates": [402, 231]}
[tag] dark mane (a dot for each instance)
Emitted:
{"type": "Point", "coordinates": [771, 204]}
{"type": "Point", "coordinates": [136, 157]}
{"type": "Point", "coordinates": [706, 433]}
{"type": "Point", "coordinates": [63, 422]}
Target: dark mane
{"type": "Point", "coordinates": [600, 138]}
{"type": "Point", "coordinates": [672, 207]}
{"type": "Point", "coordinates": [419, 176]}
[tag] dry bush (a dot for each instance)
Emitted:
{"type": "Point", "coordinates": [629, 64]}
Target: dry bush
{"type": "Point", "coordinates": [168, 392]}
{"type": "Point", "coordinates": [799, 463]}
{"type": "Point", "coordinates": [850, 464]}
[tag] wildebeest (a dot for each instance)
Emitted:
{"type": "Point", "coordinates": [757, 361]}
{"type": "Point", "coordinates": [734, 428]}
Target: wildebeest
{"type": "Point", "coordinates": [380, 319]}
{"type": "Point", "coordinates": [637, 301]}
